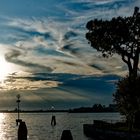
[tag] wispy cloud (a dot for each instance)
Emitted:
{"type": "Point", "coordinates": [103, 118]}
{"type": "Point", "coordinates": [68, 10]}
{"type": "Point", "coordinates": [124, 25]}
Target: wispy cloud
{"type": "Point", "coordinates": [14, 57]}
{"type": "Point", "coordinates": [59, 50]}
{"type": "Point", "coordinates": [49, 37]}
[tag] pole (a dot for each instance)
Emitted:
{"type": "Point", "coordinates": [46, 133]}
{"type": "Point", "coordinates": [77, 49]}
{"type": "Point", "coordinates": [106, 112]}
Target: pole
{"type": "Point", "coordinates": [18, 109]}
{"type": "Point", "coordinates": [18, 101]}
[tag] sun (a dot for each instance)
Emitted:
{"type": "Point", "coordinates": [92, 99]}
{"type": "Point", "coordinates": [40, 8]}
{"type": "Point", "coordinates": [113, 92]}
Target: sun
{"type": "Point", "coordinates": [5, 69]}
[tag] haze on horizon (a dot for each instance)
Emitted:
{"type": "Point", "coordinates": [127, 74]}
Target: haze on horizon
{"type": "Point", "coordinates": [46, 59]}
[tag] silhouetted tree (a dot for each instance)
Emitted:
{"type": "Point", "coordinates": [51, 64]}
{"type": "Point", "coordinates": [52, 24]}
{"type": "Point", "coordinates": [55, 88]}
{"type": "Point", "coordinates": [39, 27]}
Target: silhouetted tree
{"type": "Point", "coordinates": [119, 35]}
{"type": "Point", "coordinates": [127, 98]}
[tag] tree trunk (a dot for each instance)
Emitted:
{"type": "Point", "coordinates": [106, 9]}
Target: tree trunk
{"type": "Point", "coordinates": [135, 64]}
{"type": "Point", "coordinates": [133, 67]}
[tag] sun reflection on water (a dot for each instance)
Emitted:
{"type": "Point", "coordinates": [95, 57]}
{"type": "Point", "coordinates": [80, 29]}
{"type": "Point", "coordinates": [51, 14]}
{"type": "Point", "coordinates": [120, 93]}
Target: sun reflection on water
{"type": "Point", "coordinates": [2, 117]}
{"type": "Point", "coordinates": [2, 122]}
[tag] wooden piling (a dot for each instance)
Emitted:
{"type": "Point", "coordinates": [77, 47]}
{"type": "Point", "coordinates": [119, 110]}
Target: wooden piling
{"type": "Point", "coordinates": [66, 135]}
{"type": "Point", "coordinates": [22, 131]}
{"type": "Point", "coordinates": [53, 121]}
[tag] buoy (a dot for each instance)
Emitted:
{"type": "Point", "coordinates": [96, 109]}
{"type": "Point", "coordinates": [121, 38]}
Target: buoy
{"type": "Point", "coordinates": [66, 135]}
{"type": "Point", "coordinates": [53, 121]}
{"type": "Point", "coordinates": [22, 131]}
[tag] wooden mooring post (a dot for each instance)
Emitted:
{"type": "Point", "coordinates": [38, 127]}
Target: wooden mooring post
{"type": "Point", "coordinates": [66, 135]}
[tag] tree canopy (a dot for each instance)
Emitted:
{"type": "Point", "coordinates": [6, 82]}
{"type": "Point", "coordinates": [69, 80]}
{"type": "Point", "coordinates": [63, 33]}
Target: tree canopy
{"type": "Point", "coordinates": [127, 98]}
{"type": "Point", "coordinates": [119, 35]}
{"type": "Point", "coordinates": [127, 95]}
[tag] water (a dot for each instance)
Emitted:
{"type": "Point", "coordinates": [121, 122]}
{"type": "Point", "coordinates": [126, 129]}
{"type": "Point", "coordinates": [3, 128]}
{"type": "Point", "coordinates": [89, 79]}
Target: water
{"type": "Point", "coordinates": [39, 127]}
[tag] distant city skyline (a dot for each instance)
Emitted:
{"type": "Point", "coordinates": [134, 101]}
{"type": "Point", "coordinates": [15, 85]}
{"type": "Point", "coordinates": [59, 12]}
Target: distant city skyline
{"type": "Point", "coordinates": [46, 59]}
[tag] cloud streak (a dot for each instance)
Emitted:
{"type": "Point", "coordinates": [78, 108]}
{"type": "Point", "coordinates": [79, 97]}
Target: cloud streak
{"type": "Point", "coordinates": [48, 37]}
{"type": "Point", "coordinates": [14, 55]}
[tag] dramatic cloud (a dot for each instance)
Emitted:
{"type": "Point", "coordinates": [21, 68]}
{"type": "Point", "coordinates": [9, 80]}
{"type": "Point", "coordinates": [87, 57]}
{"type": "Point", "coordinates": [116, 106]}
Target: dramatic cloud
{"type": "Point", "coordinates": [44, 43]}
{"type": "Point", "coordinates": [62, 90]}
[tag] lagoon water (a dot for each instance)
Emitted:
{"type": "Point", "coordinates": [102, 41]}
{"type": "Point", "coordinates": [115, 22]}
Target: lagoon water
{"type": "Point", "coordinates": [39, 127]}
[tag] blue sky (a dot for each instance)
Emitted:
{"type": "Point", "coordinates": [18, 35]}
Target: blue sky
{"type": "Point", "coordinates": [45, 57]}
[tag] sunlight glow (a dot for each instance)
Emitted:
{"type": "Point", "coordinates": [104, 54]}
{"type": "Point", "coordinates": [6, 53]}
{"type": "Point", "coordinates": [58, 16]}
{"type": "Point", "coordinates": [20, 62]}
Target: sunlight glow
{"type": "Point", "coordinates": [5, 69]}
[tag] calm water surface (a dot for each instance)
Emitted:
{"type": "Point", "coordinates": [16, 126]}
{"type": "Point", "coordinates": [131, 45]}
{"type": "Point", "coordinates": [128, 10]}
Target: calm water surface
{"type": "Point", "coordinates": [39, 127]}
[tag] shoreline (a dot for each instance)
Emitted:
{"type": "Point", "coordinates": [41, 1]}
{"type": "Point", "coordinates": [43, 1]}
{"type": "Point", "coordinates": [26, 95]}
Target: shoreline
{"type": "Point", "coordinates": [49, 111]}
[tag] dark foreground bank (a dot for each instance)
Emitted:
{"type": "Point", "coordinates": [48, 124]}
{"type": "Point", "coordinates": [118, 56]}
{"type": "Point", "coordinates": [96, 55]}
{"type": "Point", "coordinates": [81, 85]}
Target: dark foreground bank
{"type": "Point", "coordinates": [106, 131]}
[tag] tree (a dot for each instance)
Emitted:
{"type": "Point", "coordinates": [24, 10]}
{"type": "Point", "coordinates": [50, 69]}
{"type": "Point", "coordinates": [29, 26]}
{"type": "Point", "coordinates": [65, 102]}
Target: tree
{"type": "Point", "coordinates": [127, 98]}
{"type": "Point", "coordinates": [119, 35]}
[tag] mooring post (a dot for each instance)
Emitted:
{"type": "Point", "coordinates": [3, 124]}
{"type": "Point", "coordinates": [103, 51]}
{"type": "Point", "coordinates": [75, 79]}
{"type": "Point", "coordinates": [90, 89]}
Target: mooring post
{"type": "Point", "coordinates": [53, 121]}
{"type": "Point", "coordinates": [22, 131]}
{"type": "Point", "coordinates": [66, 135]}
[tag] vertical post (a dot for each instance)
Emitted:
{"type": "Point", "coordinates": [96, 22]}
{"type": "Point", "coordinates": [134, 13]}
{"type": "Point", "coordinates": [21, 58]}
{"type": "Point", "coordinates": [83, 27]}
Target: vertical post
{"type": "Point", "coordinates": [18, 109]}
{"type": "Point", "coordinates": [66, 135]}
{"type": "Point", "coordinates": [53, 120]}
{"type": "Point", "coordinates": [18, 101]}
{"type": "Point", "coordinates": [22, 131]}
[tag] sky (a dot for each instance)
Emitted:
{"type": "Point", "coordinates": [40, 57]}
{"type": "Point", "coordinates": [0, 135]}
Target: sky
{"type": "Point", "coordinates": [45, 57]}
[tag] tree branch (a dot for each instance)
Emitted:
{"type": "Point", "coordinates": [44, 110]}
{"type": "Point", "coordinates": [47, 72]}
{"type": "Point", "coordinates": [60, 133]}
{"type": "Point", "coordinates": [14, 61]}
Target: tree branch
{"type": "Point", "coordinates": [123, 58]}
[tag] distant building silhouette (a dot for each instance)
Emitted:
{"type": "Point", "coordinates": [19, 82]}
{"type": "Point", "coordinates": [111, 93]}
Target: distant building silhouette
{"type": "Point", "coordinates": [95, 108]}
